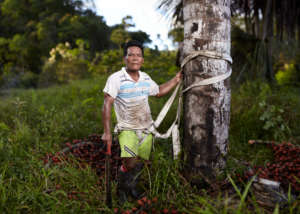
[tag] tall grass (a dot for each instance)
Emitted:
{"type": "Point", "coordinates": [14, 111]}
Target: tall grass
{"type": "Point", "coordinates": [36, 122]}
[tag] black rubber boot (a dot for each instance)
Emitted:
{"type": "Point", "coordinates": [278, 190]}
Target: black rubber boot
{"type": "Point", "coordinates": [135, 190]}
{"type": "Point", "coordinates": [123, 186]}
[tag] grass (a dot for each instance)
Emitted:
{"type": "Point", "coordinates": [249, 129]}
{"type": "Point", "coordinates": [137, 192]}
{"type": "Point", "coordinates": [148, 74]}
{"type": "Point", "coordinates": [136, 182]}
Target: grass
{"type": "Point", "coordinates": [34, 123]}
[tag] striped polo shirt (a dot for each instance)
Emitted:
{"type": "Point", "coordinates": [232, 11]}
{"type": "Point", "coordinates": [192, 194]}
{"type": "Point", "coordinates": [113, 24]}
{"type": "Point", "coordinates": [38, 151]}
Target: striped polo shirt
{"type": "Point", "coordinates": [131, 99]}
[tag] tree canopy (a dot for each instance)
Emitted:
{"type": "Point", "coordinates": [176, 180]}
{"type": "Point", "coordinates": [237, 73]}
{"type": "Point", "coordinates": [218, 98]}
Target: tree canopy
{"type": "Point", "coordinates": [31, 28]}
{"type": "Point", "coordinates": [262, 17]}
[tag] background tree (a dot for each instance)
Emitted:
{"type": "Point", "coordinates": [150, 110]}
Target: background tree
{"type": "Point", "coordinates": [271, 22]}
{"type": "Point", "coordinates": [122, 33]}
{"type": "Point", "coordinates": [261, 17]}
{"type": "Point", "coordinates": [176, 34]}
{"type": "Point", "coordinates": [140, 36]}
{"type": "Point", "coordinates": [31, 28]}
{"type": "Point", "coordinates": [119, 36]}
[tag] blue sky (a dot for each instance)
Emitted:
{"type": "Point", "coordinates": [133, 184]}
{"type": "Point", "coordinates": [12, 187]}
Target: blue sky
{"type": "Point", "coordinates": [144, 15]}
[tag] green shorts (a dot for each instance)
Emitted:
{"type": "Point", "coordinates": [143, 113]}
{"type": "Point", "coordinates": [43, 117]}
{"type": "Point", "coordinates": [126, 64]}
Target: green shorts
{"type": "Point", "coordinates": [135, 144]}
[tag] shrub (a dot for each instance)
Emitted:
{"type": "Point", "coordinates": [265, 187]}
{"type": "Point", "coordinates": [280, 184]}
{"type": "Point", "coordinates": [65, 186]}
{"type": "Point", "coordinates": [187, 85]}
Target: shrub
{"type": "Point", "coordinates": [65, 64]}
{"type": "Point", "coordinates": [260, 111]}
{"type": "Point", "coordinates": [29, 80]}
{"type": "Point", "coordinates": [289, 75]}
{"type": "Point", "coordinates": [107, 62]}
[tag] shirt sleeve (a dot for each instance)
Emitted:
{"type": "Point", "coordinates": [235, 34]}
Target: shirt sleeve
{"type": "Point", "coordinates": [111, 87]}
{"type": "Point", "coordinates": [154, 88]}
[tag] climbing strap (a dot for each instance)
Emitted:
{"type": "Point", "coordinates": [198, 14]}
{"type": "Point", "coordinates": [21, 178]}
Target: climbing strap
{"type": "Point", "coordinates": [174, 128]}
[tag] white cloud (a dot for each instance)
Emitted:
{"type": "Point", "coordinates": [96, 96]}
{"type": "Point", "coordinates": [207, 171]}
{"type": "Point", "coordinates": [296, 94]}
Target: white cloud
{"type": "Point", "coordinates": [144, 15]}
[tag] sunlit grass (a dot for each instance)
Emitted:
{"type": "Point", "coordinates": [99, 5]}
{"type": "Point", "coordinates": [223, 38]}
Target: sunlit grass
{"type": "Point", "coordinates": [36, 122]}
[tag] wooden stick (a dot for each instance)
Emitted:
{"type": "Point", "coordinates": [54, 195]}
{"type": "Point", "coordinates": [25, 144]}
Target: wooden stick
{"type": "Point", "coordinates": [107, 176]}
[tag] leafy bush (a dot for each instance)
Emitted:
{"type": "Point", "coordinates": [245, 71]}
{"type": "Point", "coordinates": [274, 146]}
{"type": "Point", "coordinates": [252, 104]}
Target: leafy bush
{"type": "Point", "coordinates": [272, 117]}
{"type": "Point", "coordinates": [29, 80]}
{"type": "Point", "coordinates": [4, 129]}
{"type": "Point", "coordinates": [160, 65]}
{"type": "Point", "coordinates": [289, 75]}
{"type": "Point", "coordinates": [107, 62]}
{"type": "Point", "coordinates": [9, 80]}
{"type": "Point", "coordinates": [259, 111]}
{"type": "Point", "coordinates": [65, 64]}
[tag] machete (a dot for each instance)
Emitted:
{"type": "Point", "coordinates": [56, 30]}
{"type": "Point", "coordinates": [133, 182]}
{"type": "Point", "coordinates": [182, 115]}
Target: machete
{"type": "Point", "coordinates": [107, 175]}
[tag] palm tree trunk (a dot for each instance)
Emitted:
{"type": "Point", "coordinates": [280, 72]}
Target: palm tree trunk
{"type": "Point", "coordinates": [256, 22]}
{"type": "Point", "coordinates": [279, 20]}
{"type": "Point", "coordinates": [206, 108]}
{"type": "Point", "coordinates": [267, 19]}
{"type": "Point", "coordinates": [293, 19]}
{"type": "Point", "coordinates": [298, 21]}
{"type": "Point", "coordinates": [268, 39]}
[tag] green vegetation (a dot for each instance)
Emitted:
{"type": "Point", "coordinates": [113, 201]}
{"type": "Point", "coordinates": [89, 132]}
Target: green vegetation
{"type": "Point", "coordinates": [65, 51]}
{"type": "Point", "coordinates": [47, 42]}
{"type": "Point", "coordinates": [34, 123]}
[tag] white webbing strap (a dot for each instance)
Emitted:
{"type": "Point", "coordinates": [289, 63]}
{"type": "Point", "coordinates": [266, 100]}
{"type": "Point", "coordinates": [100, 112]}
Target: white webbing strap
{"type": "Point", "coordinates": [208, 54]}
{"type": "Point", "coordinates": [209, 81]}
{"type": "Point", "coordinates": [162, 114]}
{"type": "Point", "coordinates": [176, 141]}
{"type": "Point", "coordinates": [174, 129]}
{"type": "Point", "coordinates": [166, 108]}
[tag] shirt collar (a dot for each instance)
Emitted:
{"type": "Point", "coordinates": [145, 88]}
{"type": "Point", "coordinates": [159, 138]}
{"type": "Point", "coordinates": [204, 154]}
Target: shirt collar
{"type": "Point", "coordinates": [129, 77]}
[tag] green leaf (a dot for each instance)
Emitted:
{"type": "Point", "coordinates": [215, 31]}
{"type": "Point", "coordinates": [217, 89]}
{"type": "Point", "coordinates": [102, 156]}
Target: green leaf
{"type": "Point", "coordinates": [276, 210]}
{"type": "Point", "coordinates": [88, 100]}
{"type": "Point", "coordinates": [3, 127]}
{"type": "Point", "coordinates": [268, 125]}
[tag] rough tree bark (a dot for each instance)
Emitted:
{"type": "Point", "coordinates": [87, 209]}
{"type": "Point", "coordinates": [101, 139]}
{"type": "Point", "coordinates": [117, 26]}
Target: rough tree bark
{"type": "Point", "coordinates": [206, 108]}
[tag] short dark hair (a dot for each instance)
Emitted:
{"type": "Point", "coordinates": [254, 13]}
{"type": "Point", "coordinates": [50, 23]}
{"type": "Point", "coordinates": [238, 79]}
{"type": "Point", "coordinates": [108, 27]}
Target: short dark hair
{"type": "Point", "coordinates": [132, 43]}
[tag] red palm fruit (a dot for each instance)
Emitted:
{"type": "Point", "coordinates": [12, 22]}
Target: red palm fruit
{"type": "Point", "coordinates": [140, 202]}
{"type": "Point", "coordinates": [144, 199]}
{"type": "Point", "coordinates": [165, 210]}
{"type": "Point", "coordinates": [69, 145]}
{"type": "Point", "coordinates": [174, 211]}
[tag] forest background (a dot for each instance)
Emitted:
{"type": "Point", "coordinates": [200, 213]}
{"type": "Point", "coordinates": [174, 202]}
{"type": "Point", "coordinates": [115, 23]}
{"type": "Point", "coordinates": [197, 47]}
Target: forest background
{"type": "Point", "coordinates": [55, 56]}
